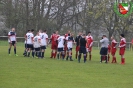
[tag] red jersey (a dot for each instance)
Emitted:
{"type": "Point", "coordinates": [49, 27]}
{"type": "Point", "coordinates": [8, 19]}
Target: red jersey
{"type": "Point", "coordinates": [132, 41]}
{"type": "Point", "coordinates": [89, 41]}
{"type": "Point", "coordinates": [122, 43]}
{"type": "Point", "coordinates": [113, 44]}
{"type": "Point", "coordinates": [54, 38]}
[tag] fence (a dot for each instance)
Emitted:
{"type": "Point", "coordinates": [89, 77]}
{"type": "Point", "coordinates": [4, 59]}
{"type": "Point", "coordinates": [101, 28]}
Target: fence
{"type": "Point", "coordinates": [95, 43]}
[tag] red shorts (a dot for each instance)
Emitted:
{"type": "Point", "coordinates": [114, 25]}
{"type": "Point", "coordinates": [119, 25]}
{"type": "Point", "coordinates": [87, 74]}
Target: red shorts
{"type": "Point", "coordinates": [113, 51]}
{"type": "Point", "coordinates": [54, 46]}
{"type": "Point", "coordinates": [77, 48]}
{"type": "Point", "coordinates": [122, 51]}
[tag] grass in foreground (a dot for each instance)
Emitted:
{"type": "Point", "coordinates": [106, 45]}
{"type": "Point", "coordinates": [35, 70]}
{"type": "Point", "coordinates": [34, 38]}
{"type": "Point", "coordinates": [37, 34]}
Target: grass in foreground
{"type": "Point", "coordinates": [23, 72]}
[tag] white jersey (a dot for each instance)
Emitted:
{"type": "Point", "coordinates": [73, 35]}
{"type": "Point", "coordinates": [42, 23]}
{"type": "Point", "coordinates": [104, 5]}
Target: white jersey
{"type": "Point", "coordinates": [29, 37]}
{"type": "Point", "coordinates": [12, 36]}
{"type": "Point", "coordinates": [44, 38]}
{"type": "Point", "coordinates": [61, 40]}
{"type": "Point", "coordinates": [40, 34]}
{"type": "Point", "coordinates": [70, 41]}
{"type": "Point", "coordinates": [36, 40]}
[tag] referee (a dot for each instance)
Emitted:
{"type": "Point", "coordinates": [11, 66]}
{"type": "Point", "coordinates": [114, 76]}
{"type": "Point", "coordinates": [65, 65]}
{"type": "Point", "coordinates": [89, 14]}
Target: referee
{"type": "Point", "coordinates": [82, 43]}
{"type": "Point", "coordinates": [104, 48]}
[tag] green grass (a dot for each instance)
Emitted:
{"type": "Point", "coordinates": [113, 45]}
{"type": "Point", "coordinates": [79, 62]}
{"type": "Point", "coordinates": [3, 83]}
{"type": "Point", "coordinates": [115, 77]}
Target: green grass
{"type": "Point", "coordinates": [23, 72]}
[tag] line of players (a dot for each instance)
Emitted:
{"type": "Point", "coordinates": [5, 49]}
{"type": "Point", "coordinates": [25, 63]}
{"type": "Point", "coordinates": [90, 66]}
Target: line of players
{"type": "Point", "coordinates": [62, 45]}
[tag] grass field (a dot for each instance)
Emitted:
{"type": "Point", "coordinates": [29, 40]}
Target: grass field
{"type": "Point", "coordinates": [23, 72]}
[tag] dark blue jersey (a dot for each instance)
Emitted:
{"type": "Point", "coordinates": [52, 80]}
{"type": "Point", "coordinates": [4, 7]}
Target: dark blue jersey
{"type": "Point", "coordinates": [77, 40]}
{"type": "Point", "coordinates": [82, 42]}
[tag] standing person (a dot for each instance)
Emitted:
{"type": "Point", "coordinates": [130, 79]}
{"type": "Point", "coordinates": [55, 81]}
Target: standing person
{"type": "Point", "coordinates": [104, 48]}
{"type": "Point", "coordinates": [77, 44]}
{"type": "Point", "coordinates": [61, 41]}
{"type": "Point", "coordinates": [50, 41]}
{"type": "Point", "coordinates": [132, 45]}
{"type": "Point", "coordinates": [122, 47]}
{"type": "Point", "coordinates": [40, 32]}
{"type": "Point", "coordinates": [113, 49]}
{"type": "Point", "coordinates": [37, 43]}
{"type": "Point", "coordinates": [70, 41]}
{"type": "Point", "coordinates": [54, 44]}
{"type": "Point", "coordinates": [82, 43]}
{"type": "Point", "coordinates": [65, 47]}
{"type": "Point", "coordinates": [29, 39]}
{"type": "Point", "coordinates": [25, 51]}
{"type": "Point", "coordinates": [12, 41]}
{"type": "Point", "coordinates": [44, 42]}
{"type": "Point", "coordinates": [89, 44]}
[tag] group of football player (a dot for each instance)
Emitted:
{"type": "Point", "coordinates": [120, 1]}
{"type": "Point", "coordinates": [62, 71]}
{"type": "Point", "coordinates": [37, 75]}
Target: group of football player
{"type": "Point", "coordinates": [62, 45]}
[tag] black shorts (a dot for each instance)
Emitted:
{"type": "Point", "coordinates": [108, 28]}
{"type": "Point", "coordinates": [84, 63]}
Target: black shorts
{"type": "Point", "coordinates": [69, 49]}
{"type": "Point", "coordinates": [37, 49]}
{"type": "Point", "coordinates": [60, 49]}
{"type": "Point", "coordinates": [104, 51]}
{"type": "Point", "coordinates": [13, 43]}
{"type": "Point", "coordinates": [43, 47]}
{"type": "Point", "coordinates": [30, 46]}
{"type": "Point", "coordinates": [82, 50]}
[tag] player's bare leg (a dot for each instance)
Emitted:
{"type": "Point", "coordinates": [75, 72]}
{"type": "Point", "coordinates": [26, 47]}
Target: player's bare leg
{"type": "Point", "coordinates": [67, 55]}
{"type": "Point", "coordinates": [54, 53]}
{"type": "Point", "coordinates": [113, 59]}
{"type": "Point", "coordinates": [51, 54]}
{"type": "Point", "coordinates": [89, 55]}
{"type": "Point", "coordinates": [76, 55]}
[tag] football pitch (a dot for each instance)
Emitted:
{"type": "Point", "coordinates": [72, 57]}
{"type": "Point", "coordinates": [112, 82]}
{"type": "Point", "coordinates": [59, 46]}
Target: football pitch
{"type": "Point", "coordinates": [24, 72]}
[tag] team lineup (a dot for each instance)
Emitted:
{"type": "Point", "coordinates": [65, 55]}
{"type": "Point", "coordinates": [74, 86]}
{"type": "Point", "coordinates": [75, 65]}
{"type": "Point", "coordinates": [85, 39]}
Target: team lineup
{"type": "Point", "coordinates": [62, 45]}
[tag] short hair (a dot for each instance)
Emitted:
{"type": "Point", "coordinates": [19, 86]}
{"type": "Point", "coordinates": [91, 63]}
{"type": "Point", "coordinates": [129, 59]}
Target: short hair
{"type": "Point", "coordinates": [28, 30]}
{"type": "Point", "coordinates": [68, 34]}
{"type": "Point", "coordinates": [32, 30]}
{"type": "Point", "coordinates": [40, 30]}
{"type": "Point", "coordinates": [104, 35]}
{"type": "Point", "coordinates": [84, 35]}
{"type": "Point", "coordinates": [122, 35]}
{"type": "Point", "coordinates": [45, 30]}
{"type": "Point", "coordinates": [89, 32]}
